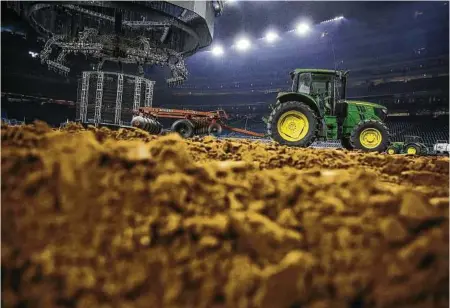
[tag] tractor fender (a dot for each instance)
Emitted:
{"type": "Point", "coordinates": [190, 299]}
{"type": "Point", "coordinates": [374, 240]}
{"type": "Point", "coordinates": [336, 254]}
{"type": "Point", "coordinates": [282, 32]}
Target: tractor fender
{"type": "Point", "coordinates": [300, 97]}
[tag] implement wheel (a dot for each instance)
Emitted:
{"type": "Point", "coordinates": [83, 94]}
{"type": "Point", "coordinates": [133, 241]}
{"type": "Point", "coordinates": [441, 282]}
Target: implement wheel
{"type": "Point", "coordinates": [292, 123]}
{"type": "Point", "coordinates": [370, 136]}
{"type": "Point", "coordinates": [183, 127]}
{"type": "Point", "coordinates": [214, 129]}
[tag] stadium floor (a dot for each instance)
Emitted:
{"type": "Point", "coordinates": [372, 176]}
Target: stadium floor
{"type": "Point", "coordinates": [100, 218]}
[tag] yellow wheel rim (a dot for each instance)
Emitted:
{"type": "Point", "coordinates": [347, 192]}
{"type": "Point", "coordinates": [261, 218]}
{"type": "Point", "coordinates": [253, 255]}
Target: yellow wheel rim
{"type": "Point", "coordinates": [391, 151]}
{"type": "Point", "coordinates": [411, 150]}
{"type": "Point", "coordinates": [370, 138]}
{"type": "Point", "coordinates": [293, 126]}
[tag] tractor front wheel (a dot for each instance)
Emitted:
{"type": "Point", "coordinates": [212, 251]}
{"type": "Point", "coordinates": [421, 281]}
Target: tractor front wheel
{"type": "Point", "coordinates": [391, 150]}
{"type": "Point", "coordinates": [370, 136]}
{"type": "Point", "coordinates": [292, 123]}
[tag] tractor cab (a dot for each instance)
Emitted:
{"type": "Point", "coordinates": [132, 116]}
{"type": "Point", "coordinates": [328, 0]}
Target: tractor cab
{"type": "Point", "coordinates": [417, 139]}
{"type": "Point", "coordinates": [326, 87]}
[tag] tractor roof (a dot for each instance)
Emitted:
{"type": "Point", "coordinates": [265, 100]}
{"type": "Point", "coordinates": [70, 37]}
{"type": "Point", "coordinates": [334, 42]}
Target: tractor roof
{"type": "Point", "coordinates": [314, 70]}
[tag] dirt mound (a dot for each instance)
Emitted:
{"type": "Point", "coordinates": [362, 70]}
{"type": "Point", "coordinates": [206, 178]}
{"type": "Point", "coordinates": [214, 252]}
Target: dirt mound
{"type": "Point", "coordinates": [100, 218]}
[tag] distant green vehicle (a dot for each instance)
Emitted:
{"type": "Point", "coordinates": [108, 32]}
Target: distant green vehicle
{"type": "Point", "coordinates": [412, 145]}
{"type": "Point", "coordinates": [317, 109]}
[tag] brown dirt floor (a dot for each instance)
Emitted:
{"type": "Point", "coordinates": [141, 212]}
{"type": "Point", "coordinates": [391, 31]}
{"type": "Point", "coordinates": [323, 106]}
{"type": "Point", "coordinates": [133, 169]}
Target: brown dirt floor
{"type": "Point", "coordinates": [100, 218]}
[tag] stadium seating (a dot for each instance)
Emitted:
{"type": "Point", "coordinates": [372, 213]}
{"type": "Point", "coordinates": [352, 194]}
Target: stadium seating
{"type": "Point", "coordinates": [430, 129]}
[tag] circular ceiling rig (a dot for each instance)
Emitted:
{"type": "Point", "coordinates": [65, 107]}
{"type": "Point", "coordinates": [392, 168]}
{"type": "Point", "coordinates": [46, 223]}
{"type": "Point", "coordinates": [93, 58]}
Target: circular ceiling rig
{"type": "Point", "coordinates": [143, 32]}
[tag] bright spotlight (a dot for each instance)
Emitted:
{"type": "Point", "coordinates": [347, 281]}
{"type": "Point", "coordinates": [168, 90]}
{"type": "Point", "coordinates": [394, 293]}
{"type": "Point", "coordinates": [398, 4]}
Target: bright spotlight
{"type": "Point", "coordinates": [217, 51]}
{"type": "Point", "coordinates": [243, 44]}
{"type": "Point", "coordinates": [271, 36]}
{"type": "Point", "coordinates": [33, 54]}
{"type": "Point", "coordinates": [302, 28]}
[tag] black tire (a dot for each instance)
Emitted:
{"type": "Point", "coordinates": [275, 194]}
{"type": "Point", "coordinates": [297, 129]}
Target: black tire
{"type": "Point", "coordinates": [394, 150]}
{"type": "Point", "coordinates": [183, 127]}
{"type": "Point", "coordinates": [415, 146]}
{"type": "Point", "coordinates": [358, 129]}
{"type": "Point", "coordinates": [214, 129]}
{"type": "Point", "coordinates": [345, 142]}
{"type": "Point", "coordinates": [150, 125]}
{"type": "Point", "coordinates": [424, 150]}
{"type": "Point", "coordinates": [282, 108]}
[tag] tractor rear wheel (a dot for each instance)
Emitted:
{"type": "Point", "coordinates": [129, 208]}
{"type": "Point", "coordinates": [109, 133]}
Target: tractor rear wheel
{"type": "Point", "coordinates": [183, 127]}
{"type": "Point", "coordinates": [292, 123]}
{"type": "Point", "coordinates": [391, 150]}
{"type": "Point", "coordinates": [413, 149]}
{"type": "Point", "coordinates": [370, 136]}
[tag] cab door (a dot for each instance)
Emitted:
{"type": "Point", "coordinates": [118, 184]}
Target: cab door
{"type": "Point", "coordinates": [338, 95]}
{"type": "Point", "coordinates": [322, 90]}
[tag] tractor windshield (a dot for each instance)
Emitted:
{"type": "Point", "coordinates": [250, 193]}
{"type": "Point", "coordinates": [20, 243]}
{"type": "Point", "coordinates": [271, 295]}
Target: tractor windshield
{"type": "Point", "coordinates": [322, 85]}
{"type": "Point", "coordinates": [413, 139]}
{"type": "Point", "coordinates": [312, 84]}
{"type": "Point", "coordinates": [302, 83]}
{"type": "Point", "coordinates": [319, 85]}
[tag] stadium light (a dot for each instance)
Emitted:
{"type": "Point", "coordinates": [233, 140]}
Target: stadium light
{"type": "Point", "coordinates": [333, 19]}
{"type": "Point", "coordinates": [33, 54]}
{"type": "Point", "coordinates": [242, 44]}
{"type": "Point", "coordinates": [217, 51]}
{"type": "Point", "coordinates": [271, 36]}
{"type": "Point", "coordinates": [302, 28]}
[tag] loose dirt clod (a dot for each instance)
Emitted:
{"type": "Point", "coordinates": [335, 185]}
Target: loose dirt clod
{"type": "Point", "coordinates": [100, 218]}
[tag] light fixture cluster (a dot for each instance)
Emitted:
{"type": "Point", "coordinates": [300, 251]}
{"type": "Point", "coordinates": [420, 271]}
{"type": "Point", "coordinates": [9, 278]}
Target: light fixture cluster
{"type": "Point", "coordinates": [243, 44]}
{"type": "Point", "coordinates": [333, 19]}
{"type": "Point", "coordinates": [33, 54]}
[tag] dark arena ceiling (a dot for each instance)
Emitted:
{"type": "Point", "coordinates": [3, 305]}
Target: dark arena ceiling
{"type": "Point", "coordinates": [143, 32]}
{"type": "Point", "coordinates": [375, 40]}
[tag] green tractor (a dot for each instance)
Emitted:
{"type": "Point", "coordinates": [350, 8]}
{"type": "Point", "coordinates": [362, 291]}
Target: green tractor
{"type": "Point", "coordinates": [412, 145]}
{"type": "Point", "coordinates": [316, 109]}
